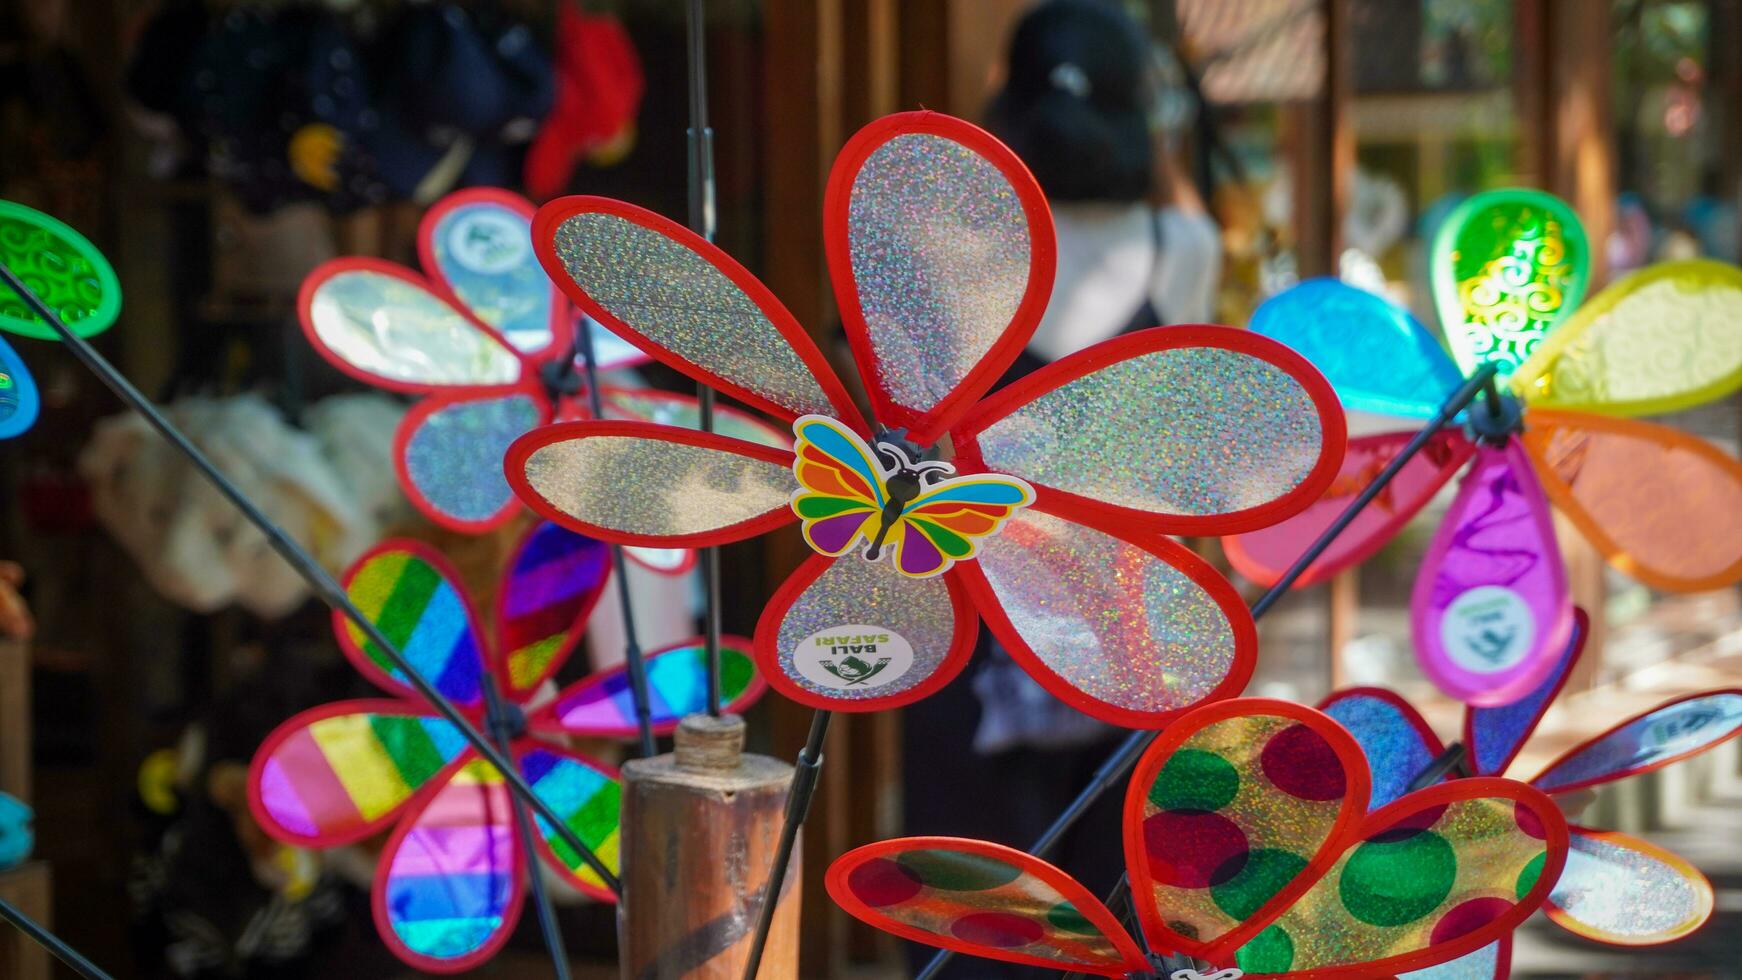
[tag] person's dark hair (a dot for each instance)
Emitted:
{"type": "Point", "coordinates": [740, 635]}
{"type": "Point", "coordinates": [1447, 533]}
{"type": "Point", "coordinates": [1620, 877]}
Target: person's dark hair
{"type": "Point", "coordinates": [1075, 103]}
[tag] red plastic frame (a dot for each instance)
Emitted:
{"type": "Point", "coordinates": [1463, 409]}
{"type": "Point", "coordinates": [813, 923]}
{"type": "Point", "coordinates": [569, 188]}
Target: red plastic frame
{"type": "Point", "coordinates": [1349, 817]}
{"type": "Point", "coordinates": [551, 216]}
{"type": "Point", "coordinates": [1430, 740]}
{"type": "Point", "coordinates": [1331, 421]}
{"type": "Point", "coordinates": [560, 313]}
{"type": "Point", "coordinates": [526, 445]}
{"type": "Point", "coordinates": [301, 720]}
{"type": "Point", "coordinates": [497, 654]}
{"type": "Point", "coordinates": [1637, 770]}
{"type": "Point", "coordinates": [378, 889]}
{"type": "Point", "coordinates": [1322, 570]}
{"type": "Point", "coordinates": [334, 267]}
{"type": "Point", "coordinates": [414, 419]}
{"type": "Point", "coordinates": [1201, 572]}
{"type": "Point", "coordinates": [545, 721]}
{"type": "Point", "coordinates": [925, 425]}
{"type": "Point", "coordinates": [767, 641]}
{"type": "Point", "coordinates": [1581, 632]}
{"type": "Point", "coordinates": [835, 880]}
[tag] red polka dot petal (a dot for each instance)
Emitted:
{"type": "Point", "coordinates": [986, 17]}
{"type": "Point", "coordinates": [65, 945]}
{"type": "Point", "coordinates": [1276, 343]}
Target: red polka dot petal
{"type": "Point", "coordinates": [1000, 929]}
{"type": "Point", "coordinates": [1193, 849]}
{"type": "Point", "coordinates": [1467, 917]}
{"type": "Point", "coordinates": [880, 881]}
{"type": "Point", "coordinates": [1301, 763]}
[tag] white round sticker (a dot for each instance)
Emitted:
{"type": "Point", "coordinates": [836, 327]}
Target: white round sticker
{"type": "Point", "coordinates": [1487, 629]}
{"type": "Point", "coordinates": [488, 241]}
{"type": "Point", "coordinates": [853, 658]}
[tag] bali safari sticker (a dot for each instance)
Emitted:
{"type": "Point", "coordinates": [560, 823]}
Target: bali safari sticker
{"type": "Point", "coordinates": [488, 241]}
{"type": "Point", "coordinates": [1487, 629]}
{"type": "Point", "coordinates": [853, 658]}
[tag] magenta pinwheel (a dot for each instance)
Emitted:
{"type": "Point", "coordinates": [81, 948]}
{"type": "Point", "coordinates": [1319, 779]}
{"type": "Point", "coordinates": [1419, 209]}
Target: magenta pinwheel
{"type": "Point", "coordinates": [1042, 509]}
{"type": "Point", "coordinates": [1616, 888]}
{"type": "Point", "coordinates": [1491, 607]}
{"type": "Point", "coordinates": [451, 879]}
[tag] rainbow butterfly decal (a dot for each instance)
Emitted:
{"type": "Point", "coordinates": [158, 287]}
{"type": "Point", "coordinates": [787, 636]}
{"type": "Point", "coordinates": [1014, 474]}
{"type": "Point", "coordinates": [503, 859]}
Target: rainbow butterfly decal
{"type": "Point", "coordinates": [1249, 844]}
{"type": "Point", "coordinates": [929, 519]}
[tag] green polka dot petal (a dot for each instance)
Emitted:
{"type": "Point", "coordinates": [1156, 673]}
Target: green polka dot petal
{"type": "Point", "coordinates": [1532, 871]}
{"type": "Point", "coordinates": [1271, 951]}
{"type": "Point", "coordinates": [1195, 780]}
{"type": "Point", "coordinates": [1396, 882]}
{"type": "Point", "coordinates": [958, 871]}
{"type": "Point", "coordinates": [1065, 918]}
{"type": "Point", "coordinates": [62, 268]}
{"type": "Point", "coordinates": [1266, 872]}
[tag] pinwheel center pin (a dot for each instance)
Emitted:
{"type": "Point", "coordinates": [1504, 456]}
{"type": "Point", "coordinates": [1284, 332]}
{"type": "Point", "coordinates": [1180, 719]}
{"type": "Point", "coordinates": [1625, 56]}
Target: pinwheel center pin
{"type": "Point", "coordinates": [889, 499]}
{"type": "Point", "coordinates": [1495, 418]}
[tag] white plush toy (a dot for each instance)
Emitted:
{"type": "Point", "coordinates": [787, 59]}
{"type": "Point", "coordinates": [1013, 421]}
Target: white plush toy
{"type": "Point", "coordinates": [193, 545]}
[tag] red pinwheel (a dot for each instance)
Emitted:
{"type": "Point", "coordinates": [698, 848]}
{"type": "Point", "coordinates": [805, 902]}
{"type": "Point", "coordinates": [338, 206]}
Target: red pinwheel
{"type": "Point", "coordinates": [1616, 888]}
{"type": "Point", "coordinates": [451, 877]}
{"type": "Point", "coordinates": [1248, 844]}
{"type": "Point", "coordinates": [1044, 509]}
{"type": "Point", "coordinates": [487, 339]}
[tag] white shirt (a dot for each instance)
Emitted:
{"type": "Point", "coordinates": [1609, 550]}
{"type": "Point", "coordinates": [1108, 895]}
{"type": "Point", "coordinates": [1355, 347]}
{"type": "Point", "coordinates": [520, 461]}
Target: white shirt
{"type": "Point", "coordinates": [1107, 267]}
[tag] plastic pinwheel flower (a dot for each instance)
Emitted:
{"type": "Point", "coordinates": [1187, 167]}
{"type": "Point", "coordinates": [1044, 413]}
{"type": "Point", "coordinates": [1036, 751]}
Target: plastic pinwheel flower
{"type": "Point", "coordinates": [68, 274]}
{"type": "Point", "coordinates": [1616, 888]}
{"type": "Point", "coordinates": [488, 340]}
{"type": "Point", "coordinates": [1248, 843]}
{"type": "Point", "coordinates": [1043, 508]}
{"type": "Point", "coordinates": [451, 878]}
{"type": "Point", "coordinates": [1491, 610]}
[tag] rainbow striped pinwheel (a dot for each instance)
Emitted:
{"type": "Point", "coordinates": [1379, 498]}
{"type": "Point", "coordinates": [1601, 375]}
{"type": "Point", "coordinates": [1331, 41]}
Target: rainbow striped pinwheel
{"type": "Point", "coordinates": [1043, 509]}
{"type": "Point", "coordinates": [485, 338]}
{"type": "Point", "coordinates": [68, 274]}
{"type": "Point", "coordinates": [1616, 888]}
{"type": "Point", "coordinates": [1491, 609]}
{"type": "Point", "coordinates": [451, 878]}
{"type": "Point", "coordinates": [1249, 844]}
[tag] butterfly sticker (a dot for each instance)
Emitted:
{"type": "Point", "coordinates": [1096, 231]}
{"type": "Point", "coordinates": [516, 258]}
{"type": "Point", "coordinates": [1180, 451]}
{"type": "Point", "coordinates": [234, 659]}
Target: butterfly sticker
{"type": "Point", "coordinates": [486, 340]}
{"type": "Point", "coordinates": [1249, 845]}
{"type": "Point", "coordinates": [848, 495]}
{"type": "Point", "coordinates": [1491, 607]}
{"type": "Point", "coordinates": [70, 276]}
{"type": "Point", "coordinates": [451, 878]}
{"type": "Point", "coordinates": [1616, 888]}
{"type": "Point", "coordinates": [1044, 509]}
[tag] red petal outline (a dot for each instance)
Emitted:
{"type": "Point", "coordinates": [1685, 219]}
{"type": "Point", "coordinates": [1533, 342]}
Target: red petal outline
{"type": "Point", "coordinates": [560, 314]}
{"type": "Point", "coordinates": [526, 445]}
{"type": "Point", "coordinates": [1404, 708]}
{"type": "Point", "coordinates": [552, 215]}
{"type": "Point", "coordinates": [1043, 259]}
{"type": "Point", "coordinates": [767, 641]}
{"type": "Point", "coordinates": [358, 263]}
{"type": "Point", "coordinates": [835, 880]}
{"type": "Point", "coordinates": [1638, 770]}
{"type": "Point", "coordinates": [1201, 572]}
{"type": "Point", "coordinates": [414, 418]}
{"type": "Point", "coordinates": [1065, 370]}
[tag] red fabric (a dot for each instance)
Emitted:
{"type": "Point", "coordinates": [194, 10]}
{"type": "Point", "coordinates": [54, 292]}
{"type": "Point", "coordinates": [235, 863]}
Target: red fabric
{"type": "Point", "coordinates": [598, 93]}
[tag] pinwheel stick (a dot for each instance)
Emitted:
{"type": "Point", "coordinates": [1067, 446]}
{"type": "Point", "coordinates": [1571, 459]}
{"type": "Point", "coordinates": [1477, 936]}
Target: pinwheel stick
{"type": "Point", "coordinates": [798, 805]}
{"type": "Point", "coordinates": [51, 942]}
{"type": "Point", "coordinates": [633, 661]}
{"type": "Point", "coordinates": [502, 726]}
{"type": "Point", "coordinates": [1126, 755]}
{"type": "Point", "coordinates": [703, 219]}
{"type": "Point", "coordinates": [306, 566]}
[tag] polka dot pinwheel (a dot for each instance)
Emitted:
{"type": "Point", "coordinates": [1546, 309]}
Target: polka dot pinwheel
{"type": "Point", "coordinates": [1248, 843]}
{"type": "Point", "coordinates": [70, 276]}
{"type": "Point", "coordinates": [486, 339]}
{"type": "Point", "coordinates": [1491, 608]}
{"type": "Point", "coordinates": [450, 881]}
{"type": "Point", "coordinates": [1616, 888]}
{"type": "Point", "coordinates": [1044, 508]}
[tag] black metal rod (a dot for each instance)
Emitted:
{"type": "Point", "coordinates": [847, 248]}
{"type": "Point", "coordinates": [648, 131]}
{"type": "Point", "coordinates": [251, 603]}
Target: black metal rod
{"type": "Point", "coordinates": [1448, 763]}
{"type": "Point", "coordinates": [306, 566]}
{"type": "Point", "coordinates": [51, 942]}
{"type": "Point", "coordinates": [633, 660]}
{"type": "Point", "coordinates": [798, 805]}
{"type": "Point", "coordinates": [1126, 755]}
{"type": "Point", "coordinates": [703, 218]}
{"type": "Point", "coordinates": [503, 730]}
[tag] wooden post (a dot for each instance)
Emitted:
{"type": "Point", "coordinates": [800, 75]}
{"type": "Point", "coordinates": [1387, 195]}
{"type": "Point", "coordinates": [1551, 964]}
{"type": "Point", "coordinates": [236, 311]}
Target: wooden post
{"type": "Point", "coordinates": [699, 830]}
{"type": "Point", "coordinates": [15, 719]}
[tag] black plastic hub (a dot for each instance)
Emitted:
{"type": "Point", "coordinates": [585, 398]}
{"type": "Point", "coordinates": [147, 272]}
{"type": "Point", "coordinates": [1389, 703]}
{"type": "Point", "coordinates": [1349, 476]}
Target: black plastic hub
{"type": "Point", "coordinates": [561, 379]}
{"type": "Point", "coordinates": [1494, 419]}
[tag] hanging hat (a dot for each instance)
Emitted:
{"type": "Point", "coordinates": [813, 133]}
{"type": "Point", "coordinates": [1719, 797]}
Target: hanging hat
{"type": "Point", "coordinates": [598, 93]}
